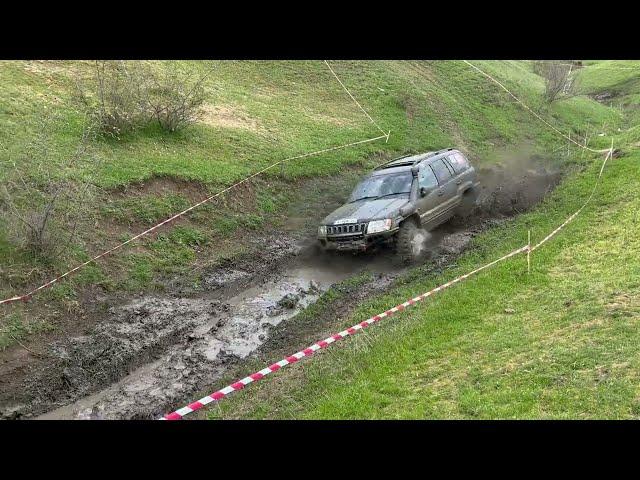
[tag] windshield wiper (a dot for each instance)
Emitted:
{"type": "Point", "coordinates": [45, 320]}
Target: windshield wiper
{"type": "Point", "coordinates": [362, 198]}
{"type": "Point", "coordinates": [389, 194]}
{"type": "Point", "coordinates": [376, 197]}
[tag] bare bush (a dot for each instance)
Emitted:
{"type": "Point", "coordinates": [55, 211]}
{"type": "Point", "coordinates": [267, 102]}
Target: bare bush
{"type": "Point", "coordinates": [126, 95]}
{"type": "Point", "coordinates": [540, 68]}
{"type": "Point", "coordinates": [175, 98]}
{"type": "Point", "coordinates": [558, 80]}
{"type": "Point", "coordinates": [115, 96]}
{"type": "Point", "coordinates": [42, 203]}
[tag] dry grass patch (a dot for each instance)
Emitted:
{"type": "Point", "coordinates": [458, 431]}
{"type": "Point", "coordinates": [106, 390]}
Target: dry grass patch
{"type": "Point", "coordinates": [226, 116]}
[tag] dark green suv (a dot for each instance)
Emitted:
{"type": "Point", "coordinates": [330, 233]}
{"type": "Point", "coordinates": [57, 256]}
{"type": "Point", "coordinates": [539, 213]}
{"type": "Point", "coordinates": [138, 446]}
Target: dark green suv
{"type": "Point", "coordinates": [401, 199]}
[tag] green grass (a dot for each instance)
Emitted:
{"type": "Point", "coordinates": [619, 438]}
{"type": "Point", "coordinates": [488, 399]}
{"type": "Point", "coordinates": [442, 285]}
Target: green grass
{"type": "Point", "coordinates": [267, 111]}
{"type": "Point", "coordinates": [148, 210]}
{"type": "Point", "coordinates": [17, 326]}
{"type": "Point", "coordinates": [562, 342]}
{"type": "Point", "coordinates": [621, 80]}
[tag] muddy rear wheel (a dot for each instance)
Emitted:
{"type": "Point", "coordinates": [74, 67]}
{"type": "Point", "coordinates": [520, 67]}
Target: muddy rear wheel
{"type": "Point", "coordinates": [468, 203]}
{"type": "Point", "coordinates": [411, 240]}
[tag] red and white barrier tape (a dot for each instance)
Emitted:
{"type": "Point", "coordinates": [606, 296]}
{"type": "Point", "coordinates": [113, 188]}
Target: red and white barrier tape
{"type": "Point", "coordinates": [240, 384]}
{"type": "Point", "coordinates": [28, 295]}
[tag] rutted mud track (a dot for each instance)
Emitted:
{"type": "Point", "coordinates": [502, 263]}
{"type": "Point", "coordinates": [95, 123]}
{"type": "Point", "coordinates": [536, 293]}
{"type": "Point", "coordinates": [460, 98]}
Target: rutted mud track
{"type": "Point", "coordinates": [153, 353]}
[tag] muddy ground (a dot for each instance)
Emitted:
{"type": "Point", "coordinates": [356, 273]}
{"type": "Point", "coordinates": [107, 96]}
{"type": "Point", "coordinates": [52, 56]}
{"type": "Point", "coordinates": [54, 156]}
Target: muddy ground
{"type": "Point", "coordinates": [151, 353]}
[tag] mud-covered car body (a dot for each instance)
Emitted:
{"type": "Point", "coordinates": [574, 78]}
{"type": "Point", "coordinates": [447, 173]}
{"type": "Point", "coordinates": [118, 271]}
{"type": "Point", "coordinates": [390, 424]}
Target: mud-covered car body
{"type": "Point", "coordinates": [426, 188]}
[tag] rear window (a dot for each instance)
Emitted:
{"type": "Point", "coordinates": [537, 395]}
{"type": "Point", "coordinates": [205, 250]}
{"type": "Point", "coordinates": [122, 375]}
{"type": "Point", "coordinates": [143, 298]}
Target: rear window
{"type": "Point", "coordinates": [441, 170]}
{"type": "Point", "coordinates": [458, 162]}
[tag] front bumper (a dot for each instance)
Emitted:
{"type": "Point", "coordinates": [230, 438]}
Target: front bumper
{"type": "Point", "coordinates": [356, 243]}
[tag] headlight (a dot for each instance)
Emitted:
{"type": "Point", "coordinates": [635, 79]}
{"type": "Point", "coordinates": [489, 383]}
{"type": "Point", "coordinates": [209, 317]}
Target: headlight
{"type": "Point", "coordinates": [377, 226]}
{"type": "Point", "coordinates": [322, 231]}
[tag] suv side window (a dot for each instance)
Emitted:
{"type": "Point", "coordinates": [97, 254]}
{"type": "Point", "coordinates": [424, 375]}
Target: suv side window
{"type": "Point", "coordinates": [442, 171]}
{"type": "Point", "coordinates": [458, 162]}
{"type": "Point", "coordinates": [426, 178]}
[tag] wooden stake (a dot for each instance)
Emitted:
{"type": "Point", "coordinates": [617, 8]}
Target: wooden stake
{"type": "Point", "coordinates": [529, 253]}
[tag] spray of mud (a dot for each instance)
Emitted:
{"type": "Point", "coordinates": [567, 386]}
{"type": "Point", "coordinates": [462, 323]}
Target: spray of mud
{"type": "Point", "coordinates": [514, 183]}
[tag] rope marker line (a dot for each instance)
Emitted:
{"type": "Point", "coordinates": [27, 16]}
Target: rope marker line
{"type": "Point", "coordinates": [27, 296]}
{"type": "Point", "coordinates": [531, 111]}
{"type": "Point", "coordinates": [385, 135]}
{"type": "Point", "coordinates": [356, 102]}
{"type": "Point", "coordinates": [577, 212]}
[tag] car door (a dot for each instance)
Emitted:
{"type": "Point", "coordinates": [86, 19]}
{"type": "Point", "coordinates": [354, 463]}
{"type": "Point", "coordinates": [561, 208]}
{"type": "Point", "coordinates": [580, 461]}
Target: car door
{"type": "Point", "coordinates": [447, 189]}
{"type": "Point", "coordinates": [429, 206]}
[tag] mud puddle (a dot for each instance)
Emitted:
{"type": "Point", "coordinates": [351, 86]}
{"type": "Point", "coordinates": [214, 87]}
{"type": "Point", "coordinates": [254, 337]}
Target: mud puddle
{"type": "Point", "coordinates": [213, 334]}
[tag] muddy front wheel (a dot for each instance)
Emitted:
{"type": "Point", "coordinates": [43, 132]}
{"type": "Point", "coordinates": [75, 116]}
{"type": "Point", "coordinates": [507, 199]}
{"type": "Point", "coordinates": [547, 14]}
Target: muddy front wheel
{"type": "Point", "coordinates": [411, 241]}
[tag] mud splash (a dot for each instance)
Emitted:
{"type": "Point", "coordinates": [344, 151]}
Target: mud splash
{"type": "Point", "coordinates": [515, 185]}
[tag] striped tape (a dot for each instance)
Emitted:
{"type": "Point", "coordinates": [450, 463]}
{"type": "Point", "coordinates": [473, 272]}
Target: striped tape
{"type": "Point", "coordinates": [240, 384]}
{"type": "Point", "coordinates": [254, 377]}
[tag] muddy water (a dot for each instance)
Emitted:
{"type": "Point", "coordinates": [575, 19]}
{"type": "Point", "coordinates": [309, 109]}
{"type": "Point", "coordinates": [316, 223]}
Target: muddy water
{"type": "Point", "coordinates": [155, 352]}
{"type": "Point", "coordinates": [216, 332]}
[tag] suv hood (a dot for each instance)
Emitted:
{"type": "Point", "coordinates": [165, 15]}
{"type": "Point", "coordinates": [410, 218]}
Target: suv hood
{"type": "Point", "coordinates": [367, 209]}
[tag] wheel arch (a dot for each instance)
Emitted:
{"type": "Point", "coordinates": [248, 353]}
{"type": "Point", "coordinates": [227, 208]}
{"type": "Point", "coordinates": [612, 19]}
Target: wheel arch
{"type": "Point", "coordinates": [414, 217]}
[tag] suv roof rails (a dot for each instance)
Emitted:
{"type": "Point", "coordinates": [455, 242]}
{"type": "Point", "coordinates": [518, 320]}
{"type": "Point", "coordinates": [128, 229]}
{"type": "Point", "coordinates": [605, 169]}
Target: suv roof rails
{"type": "Point", "coordinates": [382, 165]}
{"type": "Point", "coordinates": [444, 150]}
{"type": "Point", "coordinates": [420, 158]}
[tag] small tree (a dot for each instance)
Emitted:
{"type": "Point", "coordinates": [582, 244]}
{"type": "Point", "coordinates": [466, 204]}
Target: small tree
{"type": "Point", "coordinates": [115, 96]}
{"type": "Point", "coordinates": [558, 80]}
{"type": "Point", "coordinates": [175, 98]}
{"type": "Point", "coordinates": [124, 96]}
{"type": "Point", "coordinates": [42, 203]}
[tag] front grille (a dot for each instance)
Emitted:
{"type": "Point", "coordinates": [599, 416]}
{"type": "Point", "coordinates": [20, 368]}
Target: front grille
{"type": "Point", "coordinates": [356, 229]}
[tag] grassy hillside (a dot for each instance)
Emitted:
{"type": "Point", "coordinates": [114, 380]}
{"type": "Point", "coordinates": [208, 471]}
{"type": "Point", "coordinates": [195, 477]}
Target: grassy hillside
{"type": "Point", "coordinates": [256, 113]}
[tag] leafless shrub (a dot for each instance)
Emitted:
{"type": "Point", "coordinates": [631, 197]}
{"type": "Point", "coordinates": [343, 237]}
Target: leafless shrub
{"type": "Point", "coordinates": [175, 98]}
{"type": "Point", "coordinates": [126, 95]}
{"type": "Point", "coordinates": [115, 96]}
{"type": "Point", "coordinates": [42, 203]}
{"type": "Point", "coordinates": [558, 79]}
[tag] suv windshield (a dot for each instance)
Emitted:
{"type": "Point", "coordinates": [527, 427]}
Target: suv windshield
{"type": "Point", "coordinates": [383, 185]}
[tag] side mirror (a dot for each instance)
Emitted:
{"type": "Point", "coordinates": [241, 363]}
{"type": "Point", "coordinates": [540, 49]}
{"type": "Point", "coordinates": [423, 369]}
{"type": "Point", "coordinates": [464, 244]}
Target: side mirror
{"type": "Point", "coordinates": [424, 191]}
